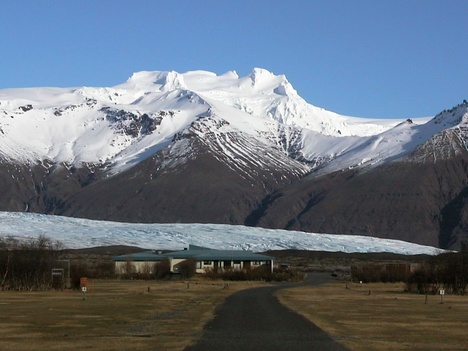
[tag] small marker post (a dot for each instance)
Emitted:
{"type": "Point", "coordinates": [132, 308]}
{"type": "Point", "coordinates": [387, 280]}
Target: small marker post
{"type": "Point", "coordinates": [84, 286]}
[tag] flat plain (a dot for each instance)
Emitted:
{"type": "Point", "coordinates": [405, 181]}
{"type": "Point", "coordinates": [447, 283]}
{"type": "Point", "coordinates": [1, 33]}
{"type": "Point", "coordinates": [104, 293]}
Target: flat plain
{"type": "Point", "coordinates": [382, 317]}
{"type": "Point", "coordinates": [170, 315]}
{"type": "Point", "coordinates": [113, 315]}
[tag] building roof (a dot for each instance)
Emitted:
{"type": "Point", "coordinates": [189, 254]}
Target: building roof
{"type": "Point", "coordinates": [197, 252]}
{"type": "Point", "coordinates": [141, 256]}
{"type": "Point", "coordinates": [220, 255]}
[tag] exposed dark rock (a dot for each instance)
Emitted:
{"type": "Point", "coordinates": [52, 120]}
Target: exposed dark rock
{"type": "Point", "coordinates": [26, 108]}
{"type": "Point", "coordinates": [134, 125]}
{"type": "Point", "coordinates": [399, 200]}
{"type": "Point", "coordinates": [39, 188]}
{"type": "Point", "coordinates": [195, 187]}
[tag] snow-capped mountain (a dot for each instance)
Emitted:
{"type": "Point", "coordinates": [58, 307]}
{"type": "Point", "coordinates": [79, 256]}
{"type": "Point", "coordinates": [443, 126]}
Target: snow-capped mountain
{"type": "Point", "coordinates": [122, 125]}
{"type": "Point", "coordinates": [207, 148]}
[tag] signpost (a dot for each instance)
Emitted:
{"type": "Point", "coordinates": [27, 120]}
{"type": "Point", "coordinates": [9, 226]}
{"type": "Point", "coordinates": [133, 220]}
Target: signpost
{"type": "Point", "coordinates": [57, 278]}
{"type": "Point", "coordinates": [67, 278]}
{"type": "Point", "coordinates": [84, 286]}
{"type": "Point", "coordinates": [442, 293]}
{"type": "Point", "coordinates": [84, 289]}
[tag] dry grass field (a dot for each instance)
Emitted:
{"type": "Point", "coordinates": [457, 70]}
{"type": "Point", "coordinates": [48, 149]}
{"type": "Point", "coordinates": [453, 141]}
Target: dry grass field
{"type": "Point", "coordinates": [378, 317]}
{"type": "Point", "coordinates": [115, 315]}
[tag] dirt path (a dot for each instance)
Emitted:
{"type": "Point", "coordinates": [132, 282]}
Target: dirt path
{"type": "Point", "coordinates": [254, 319]}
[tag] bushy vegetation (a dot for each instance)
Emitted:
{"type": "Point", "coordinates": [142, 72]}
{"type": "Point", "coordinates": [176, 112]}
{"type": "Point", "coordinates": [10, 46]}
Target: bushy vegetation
{"type": "Point", "coordinates": [380, 272]}
{"type": "Point", "coordinates": [187, 268]}
{"type": "Point", "coordinates": [27, 264]}
{"type": "Point", "coordinates": [448, 271]}
{"type": "Point", "coordinates": [162, 269]}
{"type": "Point", "coordinates": [82, 268]}
{"type": "Point", "coordinates": [145, 272]}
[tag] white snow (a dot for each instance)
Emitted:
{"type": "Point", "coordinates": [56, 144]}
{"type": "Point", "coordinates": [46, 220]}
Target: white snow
{"type": "Point", "coordinates": [69, 125]}
{"type": "Point", "coordinates": [83, 233]}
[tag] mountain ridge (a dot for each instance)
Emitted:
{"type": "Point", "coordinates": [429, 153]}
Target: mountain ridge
{"type": "Point", "coordinates": [260, 103]}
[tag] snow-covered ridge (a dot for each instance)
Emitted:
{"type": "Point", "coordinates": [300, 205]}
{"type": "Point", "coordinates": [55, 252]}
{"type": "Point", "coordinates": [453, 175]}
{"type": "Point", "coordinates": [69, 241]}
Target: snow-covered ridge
{"type": "Point", "coordinates": [120, 126]}
{"type": "Point", "coordinates": [83, 233]}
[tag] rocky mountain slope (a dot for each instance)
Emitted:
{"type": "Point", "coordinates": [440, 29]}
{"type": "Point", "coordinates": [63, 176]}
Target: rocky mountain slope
{"type": "Point", "coordinates": [419, 197]}
{"type": "Point", "coordinates": [198, 147]}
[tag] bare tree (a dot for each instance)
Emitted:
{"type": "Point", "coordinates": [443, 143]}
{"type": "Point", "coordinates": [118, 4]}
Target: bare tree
{"type": "Point", "coordinates": [27, 264]}
{"type": "Point", "coordinates": [162, 269]}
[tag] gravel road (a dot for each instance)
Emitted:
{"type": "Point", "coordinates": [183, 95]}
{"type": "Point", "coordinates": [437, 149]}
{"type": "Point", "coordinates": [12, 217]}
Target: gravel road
{"type": "Point", "coordinates": [254, 319]}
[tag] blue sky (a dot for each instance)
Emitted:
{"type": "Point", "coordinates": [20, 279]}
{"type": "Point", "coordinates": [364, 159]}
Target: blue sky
{"type": "Point", "coordinates": [375, 58]}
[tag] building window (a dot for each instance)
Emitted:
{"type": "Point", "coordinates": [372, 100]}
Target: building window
{"type": "Point", "coordinates": [207, 263]}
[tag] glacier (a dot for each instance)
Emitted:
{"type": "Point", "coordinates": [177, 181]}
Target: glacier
{"type": "Point", "coordinates": [76, 233]}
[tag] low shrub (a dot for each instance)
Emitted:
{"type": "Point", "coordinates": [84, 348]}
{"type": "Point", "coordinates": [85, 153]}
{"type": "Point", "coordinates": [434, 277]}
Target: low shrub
{"type": "Point", "coordinates": [162, 269]}
{"type": "Point", "coordinates": [187, 268]}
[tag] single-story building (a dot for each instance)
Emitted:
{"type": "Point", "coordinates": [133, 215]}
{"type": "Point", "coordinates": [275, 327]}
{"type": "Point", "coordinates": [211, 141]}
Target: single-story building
{"type": "Point", "coordinates": [206, 259]}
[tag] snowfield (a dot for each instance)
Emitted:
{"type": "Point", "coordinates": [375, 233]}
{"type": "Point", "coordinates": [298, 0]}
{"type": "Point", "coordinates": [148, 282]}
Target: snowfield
{"type": "Point", "coordinates": [82, 233]}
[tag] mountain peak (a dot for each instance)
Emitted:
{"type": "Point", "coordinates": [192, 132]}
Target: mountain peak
{"type": "Point", "coordinates": [263, 79]}
{"type": "Point", "coordinates": [259, 74]}
{"type": "Point", "coordinates": [258, 80]}
{"type": "Point", "coordinates": [163, 81]}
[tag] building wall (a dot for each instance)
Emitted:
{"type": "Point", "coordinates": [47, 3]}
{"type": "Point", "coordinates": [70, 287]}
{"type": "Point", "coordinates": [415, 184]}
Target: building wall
{"type": "Point", "coordinates": [175, 264]}
{"type": "Point", "coordinates": [147, 267]}
{"type": "Point", "coordinates": [203, 266]}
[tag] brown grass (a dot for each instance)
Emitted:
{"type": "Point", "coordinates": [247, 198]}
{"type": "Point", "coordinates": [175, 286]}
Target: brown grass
{"type": "Point", "coordinates": [385, 319]}
{"type": "Point", "coordinates": [116, 315]}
